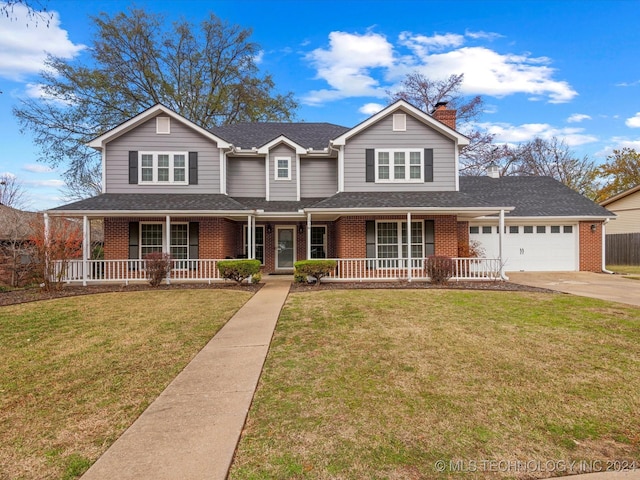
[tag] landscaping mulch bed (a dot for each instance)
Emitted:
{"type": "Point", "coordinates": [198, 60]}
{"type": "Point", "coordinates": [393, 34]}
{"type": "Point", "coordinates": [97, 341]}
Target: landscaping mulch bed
{"type": "Point", "coordinates": [13, 297]}
{"type": "Point", "coordinates": [453, 285]}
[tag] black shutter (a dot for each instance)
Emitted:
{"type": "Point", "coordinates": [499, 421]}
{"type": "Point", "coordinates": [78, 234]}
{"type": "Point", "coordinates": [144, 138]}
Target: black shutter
{"type": "Point", "coordinates": [133, 168]}
{"type": "Point", "coordinates": [370, 160]}
{"type": "Point", "coordinates": [428, 164]}
{"type": "Point", "coordinates": [371, 239]}
{"type": "Point", "coordinates": [134, 243]}
{"type": "Point", "coordinates": [193, 168]}
{"type": "Point", "coordinates": [429, 238]}
{"type": "Point", "coordinates": [194, 230]}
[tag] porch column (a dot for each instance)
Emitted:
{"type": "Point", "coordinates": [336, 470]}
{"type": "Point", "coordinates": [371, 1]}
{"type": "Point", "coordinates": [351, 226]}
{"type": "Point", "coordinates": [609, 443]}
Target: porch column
{"type": "Point", "coordinates": [500, 244]}
{"type": "Point", "coordinates": [46, 232]}
{"type": "Point", "coordinates": [308, 236]}
{"type": "Point", "coordinates": [250, 251]}
{"type": "Point", "coordinates": [408, 246]}
{"type": "Point", "coordinates": [167, 246]}
{"type": "Point", "coordinates": [85, 250]}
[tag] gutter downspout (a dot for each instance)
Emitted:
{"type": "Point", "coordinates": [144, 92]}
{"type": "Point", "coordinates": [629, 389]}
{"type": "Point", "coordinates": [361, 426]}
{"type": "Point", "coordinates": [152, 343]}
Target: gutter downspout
{"type": "Point", "coordinates": [604, 247]}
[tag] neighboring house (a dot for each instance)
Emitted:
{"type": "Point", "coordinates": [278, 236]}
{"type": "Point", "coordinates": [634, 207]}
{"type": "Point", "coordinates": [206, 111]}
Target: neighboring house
{"type": "Point", "coordinates": [379, 197]}
{"type": "Point", "coordinates": [626, 206]}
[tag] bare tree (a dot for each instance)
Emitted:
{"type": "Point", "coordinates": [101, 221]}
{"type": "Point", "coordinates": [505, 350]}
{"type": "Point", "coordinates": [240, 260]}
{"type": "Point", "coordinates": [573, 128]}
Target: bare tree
{"type": "Point", "coordinates": [426, 93]}
{"type": "Point", "coordinates": [12, 192]}
{"type": "Point", "coordinates": [36, 11]}
{"type": "Point", "coordinates": [552, 158]}
{"type": "Point", "coordinates": [16, 251]}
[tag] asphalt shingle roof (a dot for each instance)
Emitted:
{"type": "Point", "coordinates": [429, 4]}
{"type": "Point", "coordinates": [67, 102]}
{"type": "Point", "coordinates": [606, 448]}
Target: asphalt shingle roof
{"type": "Point", "coordinates": [532, 196]}
{"type": "Point", "coordinates": [258, 203]}
{"type": "Point", "coordinates": [154, 201]}
{"type": "Point", "coordinates": [308, 135]}
{"type": "Point", "coordinates": [404, 199]}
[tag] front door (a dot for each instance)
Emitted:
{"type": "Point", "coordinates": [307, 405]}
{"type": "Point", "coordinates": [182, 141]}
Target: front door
{"type": "Point", "coordinates": [285, 247]}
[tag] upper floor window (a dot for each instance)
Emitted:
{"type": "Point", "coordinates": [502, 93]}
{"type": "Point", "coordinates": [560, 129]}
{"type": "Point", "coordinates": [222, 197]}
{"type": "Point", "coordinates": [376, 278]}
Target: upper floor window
{"type": "Point", "coordinates": [283, 168]}
{"type": "Point", "coordinates": [163, 167]}
{"type": "Point", "coordinates": [404, 165]}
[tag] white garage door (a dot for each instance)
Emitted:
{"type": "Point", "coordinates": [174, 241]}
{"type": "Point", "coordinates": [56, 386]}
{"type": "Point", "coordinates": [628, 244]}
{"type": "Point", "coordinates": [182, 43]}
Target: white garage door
{"type": "Point", "coordinates": [531, 247]}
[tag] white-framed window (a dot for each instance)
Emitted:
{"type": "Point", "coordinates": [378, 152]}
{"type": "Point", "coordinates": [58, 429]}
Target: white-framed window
{"type": "Point", "coordinates": [152, 239]}
{"type": "Point", "coordinates": [319, 242]}
{"type": "Point", "coordinates": [259, 241]}
{"type": "Point", "coordinates": [399, 165]}
{"type": "Point", "coordinates": [399, 122]}
{"type": "Point", "coordinates": [282, 169]}
{"type": "Point", "coordinates": [392, 240]}
{"type": "Point", "coordinates": [163, 125]}
{"type": "Point", "coordinates": [163, 168]}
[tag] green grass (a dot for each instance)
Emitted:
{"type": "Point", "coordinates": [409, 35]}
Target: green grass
{"type": "Point", "coordinates": [382, 384]}
{"type": "Point", "coordinates": [625, 269]}
{"type": "Point", "coordinates": [77, 371]}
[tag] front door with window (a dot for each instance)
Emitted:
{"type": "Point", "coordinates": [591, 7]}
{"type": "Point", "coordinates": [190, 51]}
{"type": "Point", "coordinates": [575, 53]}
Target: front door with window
{"type": "Point", "coordinates": [285, 247]}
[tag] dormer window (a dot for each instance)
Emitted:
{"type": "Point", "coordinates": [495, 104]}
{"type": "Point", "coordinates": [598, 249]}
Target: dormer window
{"type": "Point", "coordinates": [163, 125]}
{"type": "Point", "coordinates": [399, 122]}
{"type": "Point", "coordinates": [283, 168]}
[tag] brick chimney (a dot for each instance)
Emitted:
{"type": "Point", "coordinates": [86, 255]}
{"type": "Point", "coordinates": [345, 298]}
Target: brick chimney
{"type": "Point", "coordinates": [444, 115]}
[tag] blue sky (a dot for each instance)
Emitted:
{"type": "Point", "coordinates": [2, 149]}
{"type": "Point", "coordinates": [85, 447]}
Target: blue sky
{"type": "Point", "coordinates": [545, 68]}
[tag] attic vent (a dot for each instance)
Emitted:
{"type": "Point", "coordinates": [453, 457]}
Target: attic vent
{"type": "Point", "coordinates": [399, 122]}
{"type": "Point", "coordinates": [163, 125]}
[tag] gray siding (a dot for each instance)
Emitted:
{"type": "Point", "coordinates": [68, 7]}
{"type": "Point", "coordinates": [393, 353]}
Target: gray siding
{"type": "Point", "coordinates": [144, 138]}
{"type": "Point", "coordinates": [282, 189]}
{"type": "Point", "coordinates": [245, 177]}
{"type": "Point", "coordinates": [318, 177]}
{"type": "Point", "coordinates": [417, 135]}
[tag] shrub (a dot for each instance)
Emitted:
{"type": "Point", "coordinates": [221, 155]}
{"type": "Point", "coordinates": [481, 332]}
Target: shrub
{"type": "Point", "coordinates": [439, 269]}
{"type": "Point", "coordinates": [238, 270]}
{"type": "Point", "coordinates": [313, 268]}
{"type": "Point", "coordinates": [158, 267]}
{"type": "Point", "coordinates": [256, 277]}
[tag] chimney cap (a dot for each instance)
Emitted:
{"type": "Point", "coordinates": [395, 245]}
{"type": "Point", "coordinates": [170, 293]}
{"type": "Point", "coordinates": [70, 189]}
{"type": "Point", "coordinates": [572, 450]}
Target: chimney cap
{"type": "Point", "coordinates": [441, 105]}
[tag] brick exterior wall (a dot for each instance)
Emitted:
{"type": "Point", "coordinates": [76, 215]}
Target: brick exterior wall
{"type": "Point", "coordinates": [463, 239]}
{"type": "Point", "coordinates": [590, 247]}
{"type": "Point", "coordinates": [351, 234]}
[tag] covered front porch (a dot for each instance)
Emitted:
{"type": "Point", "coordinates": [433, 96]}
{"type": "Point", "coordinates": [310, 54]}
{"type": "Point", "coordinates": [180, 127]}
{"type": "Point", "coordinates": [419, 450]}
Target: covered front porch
{"type": "Point", "coordinates": [366, 246]}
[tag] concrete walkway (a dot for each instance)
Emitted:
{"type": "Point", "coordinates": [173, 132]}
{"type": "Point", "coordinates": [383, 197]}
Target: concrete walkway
{"type": "Point", "coordinates": [614, 288]}
{"type": "Point", "coordinates": [191, 430]}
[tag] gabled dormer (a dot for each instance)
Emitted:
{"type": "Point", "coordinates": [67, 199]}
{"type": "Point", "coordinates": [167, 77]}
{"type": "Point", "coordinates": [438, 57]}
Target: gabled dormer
{"type": "Point", "coordinates": [401, 148]}
{"type": "Point", "coordinates": [159, 151]}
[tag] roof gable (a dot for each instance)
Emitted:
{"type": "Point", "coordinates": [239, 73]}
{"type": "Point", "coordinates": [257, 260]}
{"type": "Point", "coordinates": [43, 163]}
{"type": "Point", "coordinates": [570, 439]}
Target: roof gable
{"type": "Point", "coordinates": [406, 107]}
{"type": "Point", "coordinates": [99, 142]}
{"type": "Point", "coordinates": [620, 196]}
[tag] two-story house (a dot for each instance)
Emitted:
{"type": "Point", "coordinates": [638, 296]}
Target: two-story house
{"type": "Point", "coordinates": [380, 197]}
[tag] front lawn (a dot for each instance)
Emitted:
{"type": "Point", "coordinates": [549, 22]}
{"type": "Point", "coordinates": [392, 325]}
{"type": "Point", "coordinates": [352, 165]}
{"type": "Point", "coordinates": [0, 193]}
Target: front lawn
{"type": "Point", "coordinates": [384, 384]}
{"type": "Point", "coordinates": [76, 372]}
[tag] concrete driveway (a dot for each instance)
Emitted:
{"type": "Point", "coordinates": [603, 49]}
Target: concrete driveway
{"type": "Point", "coordinates": [604, 286]}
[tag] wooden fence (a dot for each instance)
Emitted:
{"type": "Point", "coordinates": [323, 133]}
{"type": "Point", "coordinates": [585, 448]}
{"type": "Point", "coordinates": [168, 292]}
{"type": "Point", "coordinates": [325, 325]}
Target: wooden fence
{"type": "Point", "coordinates": [623, 249]}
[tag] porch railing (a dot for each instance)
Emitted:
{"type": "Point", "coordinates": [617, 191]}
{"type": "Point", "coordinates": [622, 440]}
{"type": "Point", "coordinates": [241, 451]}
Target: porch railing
{"type": "Point", "coordinates": [134, 270]}
{"type": "Point", "coordinates": [347, 269]}
{"type": "Point", "coordinates": [380, 269]}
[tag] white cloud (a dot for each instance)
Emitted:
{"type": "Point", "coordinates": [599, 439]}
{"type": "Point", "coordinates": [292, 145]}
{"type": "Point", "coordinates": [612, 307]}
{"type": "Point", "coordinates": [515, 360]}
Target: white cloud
{"type": "Point", "coordinates": [633, 122]}
{"type": "Point", "coordinates": [258, 57]}
{"type": "Point", "coordinates": [368, 65]}
{"type": "Point", "coordinates": [507, 133]}
{"type": "Point", "coordinates": [482, 35]}
{"type": "Point", "coordinates": [628, 84]}
{"type": "Point", "coordinates": [578, 117]}
{"type": "Point", "coordinates": [23, 49]}
{"type": "Point", "coordinates": [618, 143]}
{"type": "Point", "coordinates": [371, 108]}
{"type": "Point", "coordinates": [37, 168]}
{"type": "Point", "coordinates": [53, 182]}
{"type": "Point", "coordinates": [346, 66]}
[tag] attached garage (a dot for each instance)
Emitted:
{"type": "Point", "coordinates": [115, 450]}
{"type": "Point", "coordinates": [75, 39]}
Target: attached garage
{"type": "Point", "coordinates": [533, 247]}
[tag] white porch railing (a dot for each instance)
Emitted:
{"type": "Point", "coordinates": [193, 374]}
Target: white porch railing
{"type": "Point", "coordinates": [347, 269]}
{"type": "Point", "coordinates": [135, 270]}
{"type": "Point", "coordinates": [381, 269]}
